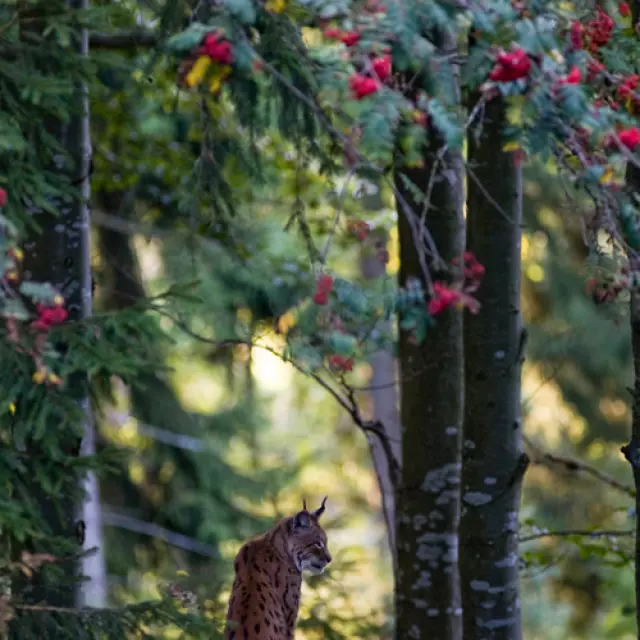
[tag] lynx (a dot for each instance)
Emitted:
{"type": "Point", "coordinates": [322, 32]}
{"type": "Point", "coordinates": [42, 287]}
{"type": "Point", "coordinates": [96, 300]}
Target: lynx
{"type": "Point", "coordinates": [266, 590]}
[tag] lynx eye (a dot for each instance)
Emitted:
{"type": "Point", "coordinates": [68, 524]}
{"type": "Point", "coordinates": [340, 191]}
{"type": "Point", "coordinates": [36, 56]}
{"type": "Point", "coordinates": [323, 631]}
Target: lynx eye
{"type": "Point", "coordinates": [318, 545]}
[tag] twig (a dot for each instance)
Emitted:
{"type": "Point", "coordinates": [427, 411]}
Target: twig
{"type": "Point", "coordinates": [113, 519]}
{"type": "Point", "coordinates": [579, 532]}
{"type": "Point", "coordinates": [123, 40]}
{"type": "Point", "coordinates": [575, 465]}
{"type": "Point", "coordinates": [336, 218]}
{"type": "Point", "coordinates": [348, 403]}
{"type": "Point", "coordinates": [487, 195]}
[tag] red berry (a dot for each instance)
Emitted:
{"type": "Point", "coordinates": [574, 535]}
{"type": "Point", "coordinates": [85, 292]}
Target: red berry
{"type": "Point", "coordinates": [630, 138]}
{"type": "Point", "coordinates": [362, 86]}
{"type": "Point", "coordinates": [340, 363]}
{"type": "Point", "coordinates": [511, 66]}
{"type": "Point", "coordinates": [324, 284]}
{"type": "Point", "coordinates": [218, 49]}
{"type": "Point", "coordinates": [331, 34]}
{"type": "Point", "coordinates": [576, 34]}
{"type": "Point", "coordinates": [350, 38]}
{"type": "Point", "coordinates": [382, 67]}
{"type": "Point", "coordinates": [573, 77]}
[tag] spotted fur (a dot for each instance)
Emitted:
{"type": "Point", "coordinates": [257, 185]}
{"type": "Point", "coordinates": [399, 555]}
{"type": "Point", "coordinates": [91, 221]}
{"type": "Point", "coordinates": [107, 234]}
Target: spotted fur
{"type": "Point", "coordinates": [266, 591]}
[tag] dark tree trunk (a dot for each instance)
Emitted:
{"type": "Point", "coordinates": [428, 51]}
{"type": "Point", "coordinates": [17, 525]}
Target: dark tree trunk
{"type": "Point", "coordinates": [431, 400]}
{"type": "Point", "coordinates": [631, 450]}
{"type": "Point", "coordinates": [493, 461]}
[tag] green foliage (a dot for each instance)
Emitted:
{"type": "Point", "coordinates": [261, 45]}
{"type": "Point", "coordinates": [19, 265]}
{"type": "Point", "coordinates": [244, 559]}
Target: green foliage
{"type": "Point", "coordinates": [150, 619]}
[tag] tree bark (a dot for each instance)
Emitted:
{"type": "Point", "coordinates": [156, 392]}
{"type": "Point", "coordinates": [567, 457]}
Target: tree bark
{"type": "Point", "coordinates": [431, 399]}
{"type": "Point", "coordinates": [631, 450]}
{"type": "Point", "coordinates": [94, 591]}
{"type": "Point", "coordinates": [383, 386]}
{"type": "Point", "coordinates": [60, 255]}
{"type": "Point", "coordinates": [493, 461]}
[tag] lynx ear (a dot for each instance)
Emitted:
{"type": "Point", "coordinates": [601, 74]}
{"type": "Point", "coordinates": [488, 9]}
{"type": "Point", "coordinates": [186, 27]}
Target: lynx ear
{"type": "Point", "coordinates": [302, 520]}
{"type": "Point", "coordinates": [318, 512]}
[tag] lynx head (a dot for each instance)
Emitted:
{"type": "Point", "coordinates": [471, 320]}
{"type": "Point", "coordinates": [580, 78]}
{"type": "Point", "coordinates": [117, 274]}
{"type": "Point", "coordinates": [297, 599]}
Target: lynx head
{"type": "Point", "coordinates": [307, 541]}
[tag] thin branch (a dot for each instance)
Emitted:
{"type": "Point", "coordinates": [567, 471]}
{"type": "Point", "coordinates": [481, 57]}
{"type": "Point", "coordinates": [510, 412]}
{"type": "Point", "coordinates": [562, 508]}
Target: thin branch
{"type": "Point", "coordinates": [349, 404]}
{"type": "Point", "coordinates": [579, 532]}
{"type": "Point", "coordinates": [123, 40]}
{"type": "Point", "coordinates": [177, 440]}
{"type": "Point", "coordinates": [336, 218]}
{"type": "Point", "coordinates": [487, 195]}
{"type": "Point", "coordinates": [577, 466]}
{"type": "Point", "coordinates": [121, 521]}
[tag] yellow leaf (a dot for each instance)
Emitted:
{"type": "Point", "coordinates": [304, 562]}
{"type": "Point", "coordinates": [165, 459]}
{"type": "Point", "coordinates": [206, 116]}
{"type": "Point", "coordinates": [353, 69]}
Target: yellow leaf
{"type": "Point", "coordinates": [607, 176]}
{"type": "Point", "coordinates": [53, 379]}
{"type": "Point", "coordinates": [275, 6]}
{"type": "Point", "coordinates": [39, 376]}
{"type": "Point", "coordinates": [181, 572]}
{"type": "Point", "coordinates": [630, 105]}
{"type": "Point", "coordinates": [12, 408]}
{"type": "Point", "coordinates": [198, 71]}
{"type": "Point", "coordinates": [219, 75]}
{"type": "Point", "coordinates": [511, 146]}
{"type": "Point", "coordinates": [285, 322]}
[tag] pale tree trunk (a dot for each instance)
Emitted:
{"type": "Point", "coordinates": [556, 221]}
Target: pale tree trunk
{"type": "Point", "coordinates": [382, 385]}
{"type": "Point", "coordinates": [493, 461]}
{"type": "Point", "coordinates": [431, 399]}
{"type": "Point", "coordinates": [94, 590]}
{"type": "Point", "coordinates": [60, 255]}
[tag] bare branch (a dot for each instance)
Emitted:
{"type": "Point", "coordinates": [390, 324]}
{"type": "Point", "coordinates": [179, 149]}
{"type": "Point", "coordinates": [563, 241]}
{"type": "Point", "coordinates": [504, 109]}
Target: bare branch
{"type": "Point", "coordinates": [620, 533]}
{"type": "Point", "coordinates": [113, 519]}
{"type": "Point", "coordinates": [577, 466]}
{"type": "Point", "coordinates": [123, 40]}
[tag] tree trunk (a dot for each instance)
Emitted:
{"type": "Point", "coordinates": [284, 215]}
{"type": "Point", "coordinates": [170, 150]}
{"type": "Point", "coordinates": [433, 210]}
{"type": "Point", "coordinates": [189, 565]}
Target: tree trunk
{"type": "Point", "coordinates": [631, 450]}
{"type": "Point", "coordinates": [60, 255]}
{"type": "Point", "coordinates": [94, 592]}
{"type": "Point", "coordinates": [493, 461]}
{"type": "Point", "coordinates": [382, 386]}
{"type": "Point", "coordinates": [431, 400]}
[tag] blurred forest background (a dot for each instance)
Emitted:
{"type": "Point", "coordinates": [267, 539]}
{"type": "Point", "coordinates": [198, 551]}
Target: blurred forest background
{"type": "Point", "coordinates": [226, 438]}
{"type": "Point", "coordinates": [230, 439]}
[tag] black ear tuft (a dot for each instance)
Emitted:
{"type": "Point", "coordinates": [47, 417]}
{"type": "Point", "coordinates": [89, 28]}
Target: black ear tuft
{"type": "Point", "coordinates": [318, 512]}
{"type": "Point", "coordinates": [302, 520]}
